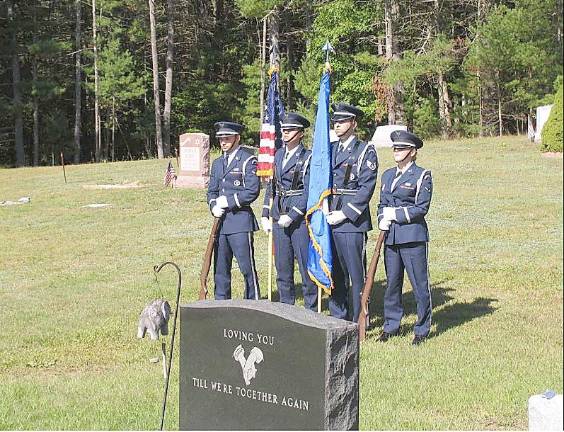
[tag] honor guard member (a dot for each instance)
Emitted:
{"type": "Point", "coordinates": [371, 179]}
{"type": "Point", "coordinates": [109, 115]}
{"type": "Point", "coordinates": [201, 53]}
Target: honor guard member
{"type": "Point", "coordinates": [355, 166]}
{"type": "Point", "coordinates": [290, 235]}
{"type": "Point", "coordinates": [233, 186]}
{"type": "Point", "coordinates": [404, 201]}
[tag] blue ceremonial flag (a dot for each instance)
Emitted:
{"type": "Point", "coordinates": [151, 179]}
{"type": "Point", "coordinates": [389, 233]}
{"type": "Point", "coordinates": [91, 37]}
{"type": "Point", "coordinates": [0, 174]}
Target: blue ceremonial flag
{"type": "Point", "coordinates": [320, 259]}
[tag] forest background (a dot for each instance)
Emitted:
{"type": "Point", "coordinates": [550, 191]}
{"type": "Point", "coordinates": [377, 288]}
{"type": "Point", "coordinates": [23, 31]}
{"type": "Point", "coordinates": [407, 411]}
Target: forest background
{"type": "Point", "coordinates": [125, 84]}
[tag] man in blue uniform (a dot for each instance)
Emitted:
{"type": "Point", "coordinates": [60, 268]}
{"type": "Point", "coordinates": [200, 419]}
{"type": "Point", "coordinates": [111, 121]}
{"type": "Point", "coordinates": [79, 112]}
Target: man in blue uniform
{"type": "Point", "coordinates": [233, 186]}
{"type": "Point", "coordinates": [291, 239]}
{"type": "Point", "coordinates": [404, 201]}
{"type": "Point", "coordinates": [355, 166]}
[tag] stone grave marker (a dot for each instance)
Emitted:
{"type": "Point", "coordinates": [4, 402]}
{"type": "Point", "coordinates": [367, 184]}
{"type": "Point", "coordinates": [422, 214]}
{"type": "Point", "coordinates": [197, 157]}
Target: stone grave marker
{"type": "Point", "coordinates": [194, 161]}
{"type": "Point", "coordinates": [250, 365]}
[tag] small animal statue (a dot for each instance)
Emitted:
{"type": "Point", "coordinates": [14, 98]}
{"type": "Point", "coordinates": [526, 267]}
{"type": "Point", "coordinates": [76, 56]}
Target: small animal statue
{"type": "Point", "coordinates": [248, 364]}
{"type": "Point", "coordinates": [154, 319]}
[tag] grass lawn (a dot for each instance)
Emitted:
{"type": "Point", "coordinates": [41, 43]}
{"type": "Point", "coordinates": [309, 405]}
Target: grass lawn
{"type": "Point", "coordinates": [73, 281]}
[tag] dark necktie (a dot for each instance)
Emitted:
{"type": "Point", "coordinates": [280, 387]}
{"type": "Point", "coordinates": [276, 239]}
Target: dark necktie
{"type": "Point", "coordinates": [396, 178]}
{"type": "Point", "coordinates": [286, 158]}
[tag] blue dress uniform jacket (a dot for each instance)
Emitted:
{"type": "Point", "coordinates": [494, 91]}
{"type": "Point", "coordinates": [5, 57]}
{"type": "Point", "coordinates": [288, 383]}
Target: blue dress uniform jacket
{"type": "Point", "coordinates": [352, 197]}
{"type": "Point", "coordinates": [406, 245]}
{"type": "Point", "coordinates": [292, 242]}
{"type": "Point", "coordinates": [239, 183]}
{"type": "Point", "coordinates": [292, 202]}
{"type": "Point", "coordinates": [411, 196]}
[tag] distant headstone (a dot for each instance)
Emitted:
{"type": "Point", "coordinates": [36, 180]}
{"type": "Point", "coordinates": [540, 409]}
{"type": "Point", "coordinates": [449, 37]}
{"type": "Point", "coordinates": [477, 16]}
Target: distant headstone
{"type": "Point", "coordinates": [258, 365]}
{"type": "Point", "coordinates": [545, 412]}
{"type": "Point", "coordinates": [194, 160]}
{"type": "Point", "coordinates": [381, 137]}
{"type": "Point", "coordinates": [542, 116]}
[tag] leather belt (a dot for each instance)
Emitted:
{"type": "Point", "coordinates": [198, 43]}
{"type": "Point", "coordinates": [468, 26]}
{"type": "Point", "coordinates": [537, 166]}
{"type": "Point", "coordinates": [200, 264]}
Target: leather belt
{"type": "Point", "coordinates": [336, 191]}
{"type": "Point", "coordinates": [289, 193]}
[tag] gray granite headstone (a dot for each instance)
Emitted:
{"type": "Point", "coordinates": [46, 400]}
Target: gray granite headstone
{"type": "Point", "coordinates": [250, 365]}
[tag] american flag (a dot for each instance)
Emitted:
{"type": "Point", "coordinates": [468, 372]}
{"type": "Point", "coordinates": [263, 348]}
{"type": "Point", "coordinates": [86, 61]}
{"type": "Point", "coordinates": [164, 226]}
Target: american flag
{"type": "Point", "coordinates": [270, 134]}
{"type": "Point", "coordinates": [170, 175]}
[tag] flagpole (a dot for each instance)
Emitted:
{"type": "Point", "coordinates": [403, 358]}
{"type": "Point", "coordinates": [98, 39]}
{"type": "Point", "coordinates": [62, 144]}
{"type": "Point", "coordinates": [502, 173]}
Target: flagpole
{"type": "Point", "coordinates": [270, 251]}
{"type": "Point", "coordinates": [327, 49]}
{"type": "Point", "coordinates": [271, 234]}
{"type": "Point", "coordinates": [270, 254]}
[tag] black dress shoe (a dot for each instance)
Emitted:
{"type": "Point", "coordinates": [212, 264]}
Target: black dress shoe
{"type": "Point", "coordinates": [385, 336]}
{"type": "Point", "coordinates": [417, 340]}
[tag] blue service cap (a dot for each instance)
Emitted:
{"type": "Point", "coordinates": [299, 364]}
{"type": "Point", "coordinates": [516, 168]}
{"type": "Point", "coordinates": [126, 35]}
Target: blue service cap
{"type": "Point", "coordinates": [405, 139]}
{"type": "Point", "coordinates": [294, 120]}
{"type": "Point", "coordinates": [343, 111]}
{"type": "Point", "coordinates": [225, 128]}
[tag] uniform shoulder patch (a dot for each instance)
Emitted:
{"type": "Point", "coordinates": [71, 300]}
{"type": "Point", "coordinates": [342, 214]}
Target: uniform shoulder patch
{"type": "Point", "coordinates": [371, 165]}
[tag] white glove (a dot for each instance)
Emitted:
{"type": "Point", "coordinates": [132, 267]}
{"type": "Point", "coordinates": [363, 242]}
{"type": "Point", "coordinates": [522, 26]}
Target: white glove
{"type": "Point", "coordinates": [266, 225]}
{"type": "Point", "coordinates": [384, 224]}
{"type": "Point", "coordinates": [217, 211]}
{"type": "Point", "coordinates": [221, 202]}
{"type": "Point", "coordinates": [335, 217]}
{"type": "Point", "coordinates": [390, 213]}
{"type": "Point", "coordinates": [285, 221]}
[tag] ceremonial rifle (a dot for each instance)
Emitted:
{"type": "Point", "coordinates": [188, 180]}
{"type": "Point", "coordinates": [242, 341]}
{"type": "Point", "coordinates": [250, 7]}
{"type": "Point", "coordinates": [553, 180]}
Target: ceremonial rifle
{"type": "Point", "coordinates": [207, 260]}
{"type": "Point", "coordinates": [368, 286]}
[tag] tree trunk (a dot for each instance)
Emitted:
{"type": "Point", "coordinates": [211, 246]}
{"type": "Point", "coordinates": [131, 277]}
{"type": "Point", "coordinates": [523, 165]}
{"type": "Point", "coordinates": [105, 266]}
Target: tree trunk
{"type": "Point", "coordinates": [481, 101]}
{"type": "Point", "coordinates": [98, 135]}
{"type": "Point", "coordinates": [395, 99]}
{"type": "Point", "coordinates": [289, 82]}
{"type": "Point", "coordinates": [35, 113]}
{"type": "Point", "coordinates": [499, 117]}
{"type": "Point", "coordinates": [17, 101]}
{"type": "Point", "coordinates": [478, 74]}
{"type": "Point", "coordinates": [442, 87]}
{"type": "Point", "coordinates": [168, 82]}
{"type": "Point", "coordinates": [444, 106]}
{"type": "Point", "coordinates": [156, 96]}
{"type": "Point", "coordinates": [113, 128]}
{"type": "Point", "coordinates": [77, 84]}
{"type": "Point", "coordinates": [35, 95]}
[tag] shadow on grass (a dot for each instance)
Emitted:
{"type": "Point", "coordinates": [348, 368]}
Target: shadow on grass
{"type": "Point", "coordinates": [452, 315]}
{"type": "Point", "coordinates": [457, 314]}
{"type": "Point", "coordinates": [439, 293]}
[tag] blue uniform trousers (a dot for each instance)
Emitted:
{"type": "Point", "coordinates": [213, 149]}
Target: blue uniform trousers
{"type": "Point", "coordinates": [242, 246]}
{"type": "Point", "coordinates": [413, 258]}
{"type": "Point", "coordinates": [349, 269]}
{"type": "Point", "coordinates": [289, 243]}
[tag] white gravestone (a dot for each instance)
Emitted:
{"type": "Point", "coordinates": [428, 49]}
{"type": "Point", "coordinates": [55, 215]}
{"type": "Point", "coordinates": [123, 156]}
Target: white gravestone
{"type": "Point", "coordinates": [542, 116]}
{"type": "Point", "coordinates": [381, 137]}
{"type": "Point", "coordinates": [545, 414]}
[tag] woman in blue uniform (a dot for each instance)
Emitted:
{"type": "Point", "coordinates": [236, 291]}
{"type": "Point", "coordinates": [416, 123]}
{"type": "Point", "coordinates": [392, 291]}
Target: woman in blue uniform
{"type": "Point", "coordinates": [404, 201]}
